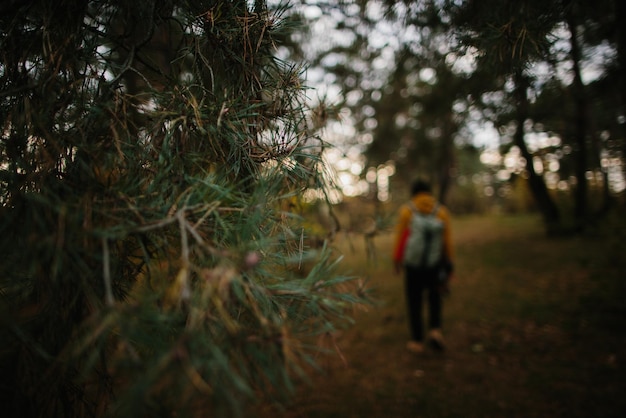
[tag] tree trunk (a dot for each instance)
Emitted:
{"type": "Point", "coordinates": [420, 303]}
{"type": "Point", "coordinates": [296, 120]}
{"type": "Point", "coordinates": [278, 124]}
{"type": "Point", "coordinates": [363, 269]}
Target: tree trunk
{"type": "Point", "coordinates": [581, 122]}
{"type": "Point", "coordinates": [620, 30]}
{"type": "Point", "coordinates": [537, 186]}
{"type": "Point", "coordinates": [447, 158]}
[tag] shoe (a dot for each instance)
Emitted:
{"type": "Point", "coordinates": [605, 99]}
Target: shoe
{"type": "Point", "coordinates": [435, 340]}
{"type": "Point", "coordinates": [415, 347]}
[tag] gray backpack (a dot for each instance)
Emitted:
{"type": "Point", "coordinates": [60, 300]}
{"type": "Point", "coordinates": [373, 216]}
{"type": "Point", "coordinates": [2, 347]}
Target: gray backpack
{"type": "Point", "coordinates": [424, 244]}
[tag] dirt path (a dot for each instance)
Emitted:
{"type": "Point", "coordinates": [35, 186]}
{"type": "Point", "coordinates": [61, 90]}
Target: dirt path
{"type": "Point", "coordinates": [529, 334]}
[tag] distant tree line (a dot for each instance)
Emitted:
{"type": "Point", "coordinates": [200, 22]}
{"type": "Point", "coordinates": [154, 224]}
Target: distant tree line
{"type": "Point", "coordinates": [517, 66]}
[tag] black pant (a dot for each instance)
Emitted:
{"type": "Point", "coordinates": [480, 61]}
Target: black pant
{"type": "Point", "coordinates": [417, 281]}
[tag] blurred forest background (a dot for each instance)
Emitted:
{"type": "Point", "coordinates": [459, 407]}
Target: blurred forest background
{"type": "Point", "coordinates": [503, 106]}
{"type": "Point", "coordinates": [173, 174]}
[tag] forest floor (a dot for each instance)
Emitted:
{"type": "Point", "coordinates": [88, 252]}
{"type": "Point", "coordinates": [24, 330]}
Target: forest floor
{"type": "Point", "coordinates": [534, 326]}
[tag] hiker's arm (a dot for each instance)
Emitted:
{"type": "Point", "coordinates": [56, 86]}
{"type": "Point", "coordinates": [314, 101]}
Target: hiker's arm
{"type": "Point", "coordinates": [401, 235]}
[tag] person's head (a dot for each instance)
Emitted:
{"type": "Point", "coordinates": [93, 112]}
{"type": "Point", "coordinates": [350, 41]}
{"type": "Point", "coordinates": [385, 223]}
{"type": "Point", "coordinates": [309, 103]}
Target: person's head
{"type": "Point", "coordinates": [420, 186]}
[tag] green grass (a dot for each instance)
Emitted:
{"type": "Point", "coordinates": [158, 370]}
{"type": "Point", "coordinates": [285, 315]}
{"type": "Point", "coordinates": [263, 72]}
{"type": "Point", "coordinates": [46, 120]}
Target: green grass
{"type": "Point", "coordinates": [534, 327]}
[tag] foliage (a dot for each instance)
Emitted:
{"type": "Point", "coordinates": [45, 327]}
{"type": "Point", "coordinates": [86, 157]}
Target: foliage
{"type": "Point", "coordinates": [507, 36]}
{"type": "Point", "coordinates": [149, 265]}
{"type": "Point", "coordinates": [540, 50]}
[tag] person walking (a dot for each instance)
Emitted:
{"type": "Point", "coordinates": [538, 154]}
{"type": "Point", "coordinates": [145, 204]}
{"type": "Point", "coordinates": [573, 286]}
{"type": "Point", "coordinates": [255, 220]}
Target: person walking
{"type": "Point", "coordinates": [423, 250]}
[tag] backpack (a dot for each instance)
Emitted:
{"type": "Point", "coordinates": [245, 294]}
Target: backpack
{"type": "Point", "coordinates": [425, 240]}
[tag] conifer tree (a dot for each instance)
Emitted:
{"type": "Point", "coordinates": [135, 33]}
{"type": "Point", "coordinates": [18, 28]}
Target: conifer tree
{"type": "Point", "coordinates": [508, 37]}
{"type": "Point", "coordinates": [148, 152]}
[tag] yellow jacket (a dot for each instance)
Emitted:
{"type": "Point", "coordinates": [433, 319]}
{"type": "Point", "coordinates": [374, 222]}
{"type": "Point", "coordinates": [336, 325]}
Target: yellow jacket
{"type": "Point", "coordinates": [425, 203]}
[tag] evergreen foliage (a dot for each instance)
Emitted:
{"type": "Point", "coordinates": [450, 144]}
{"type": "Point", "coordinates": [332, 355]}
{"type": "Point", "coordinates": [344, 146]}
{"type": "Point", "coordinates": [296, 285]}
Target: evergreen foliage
{"type": "Point", "coordinates": [149, 150]}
